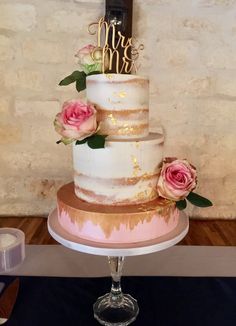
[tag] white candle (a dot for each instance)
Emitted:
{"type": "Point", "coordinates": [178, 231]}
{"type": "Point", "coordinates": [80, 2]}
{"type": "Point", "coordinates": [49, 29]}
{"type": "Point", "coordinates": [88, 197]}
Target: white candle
{"type": "Point", "coordinates": [6, 239]}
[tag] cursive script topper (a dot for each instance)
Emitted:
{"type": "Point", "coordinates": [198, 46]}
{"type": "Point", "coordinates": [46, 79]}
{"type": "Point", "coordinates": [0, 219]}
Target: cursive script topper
{"type": "Point", "coordinates": [108, 52]}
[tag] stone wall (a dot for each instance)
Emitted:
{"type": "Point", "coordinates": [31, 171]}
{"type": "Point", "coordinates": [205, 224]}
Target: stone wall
{"type": "Point", "coordinates": [190, 56]}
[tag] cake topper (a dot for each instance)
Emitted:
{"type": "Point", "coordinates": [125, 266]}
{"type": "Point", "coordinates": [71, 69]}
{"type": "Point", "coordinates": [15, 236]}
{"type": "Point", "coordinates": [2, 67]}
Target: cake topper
{"type": "Point", "coordinates": [78, 122]}
{"type": "Point", "coordinates": [113, 49]}
{"type": "Point", "coordinates": [108, 52]}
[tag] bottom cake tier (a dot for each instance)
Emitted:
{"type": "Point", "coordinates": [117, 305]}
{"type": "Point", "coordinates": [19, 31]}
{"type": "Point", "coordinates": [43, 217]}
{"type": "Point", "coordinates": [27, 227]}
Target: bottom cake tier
{"type": "Point", "coordinates": [115, 224]}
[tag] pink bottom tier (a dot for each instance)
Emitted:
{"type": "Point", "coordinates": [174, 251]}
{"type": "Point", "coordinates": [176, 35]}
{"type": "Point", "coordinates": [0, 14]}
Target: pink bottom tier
{"type": "Point", "coordinates": [121, 224]}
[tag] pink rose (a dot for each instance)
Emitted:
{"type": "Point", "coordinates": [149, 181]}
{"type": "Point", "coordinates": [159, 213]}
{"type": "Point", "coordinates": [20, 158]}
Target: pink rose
{"type": "Point", "coordinates": [177, 179]}
{"type": "Point", "coordinates": [76, 121]}
{"type": "Point", "coordinates": [85, 55]}
{"type": "Point", "coordinates": [90, 59]}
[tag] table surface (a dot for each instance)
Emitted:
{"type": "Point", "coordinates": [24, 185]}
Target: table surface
{"type": "Point", "coordinates": [163, 301]}
{"type": "Point", "coordinates": [194, 301]}
{"type": "Point", "coordinates": [57, 260]}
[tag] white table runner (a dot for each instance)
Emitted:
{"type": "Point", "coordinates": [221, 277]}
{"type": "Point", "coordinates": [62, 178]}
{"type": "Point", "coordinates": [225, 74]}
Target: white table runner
{"type": "Point", "coordinates": [56, 260]}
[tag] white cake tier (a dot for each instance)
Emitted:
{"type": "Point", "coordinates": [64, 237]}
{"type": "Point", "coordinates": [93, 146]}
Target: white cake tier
{"type": "Point", "coordinates": [125, 172]}
{"type": "Point", "coordinates": [122, 103]}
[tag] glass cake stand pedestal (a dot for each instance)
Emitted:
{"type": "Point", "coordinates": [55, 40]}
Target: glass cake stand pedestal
{"type": "Point", "coordinates": [116, 308]}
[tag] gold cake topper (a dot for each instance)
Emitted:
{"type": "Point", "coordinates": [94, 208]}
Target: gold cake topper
{"type": "Point", "coordinates": [109, 53]}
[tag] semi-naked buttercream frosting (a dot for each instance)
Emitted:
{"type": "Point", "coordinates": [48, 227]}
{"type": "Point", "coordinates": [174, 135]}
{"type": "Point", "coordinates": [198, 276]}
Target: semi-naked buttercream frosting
{"type": "Point", "coordinates": [122, 104]}
{"type": "Point", "coordinates": [114, 195]}
{"type": "Point", "coordinates": [120, 224]}
{"type": "Point", "coordinates": [125, 172]}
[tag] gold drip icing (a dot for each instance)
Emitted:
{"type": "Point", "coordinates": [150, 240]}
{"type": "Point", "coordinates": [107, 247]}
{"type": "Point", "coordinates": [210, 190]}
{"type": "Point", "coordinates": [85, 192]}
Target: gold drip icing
{"type": "Point", "coordinates": [107, 224]}
{"type": "Point", "coordinates": [110, 218]}
{"type": "Point", "coordinates": [110, 223]}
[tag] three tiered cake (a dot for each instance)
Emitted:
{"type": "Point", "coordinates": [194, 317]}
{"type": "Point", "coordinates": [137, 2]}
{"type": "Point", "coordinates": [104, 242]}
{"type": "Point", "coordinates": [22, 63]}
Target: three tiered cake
{"type": "Point", "coordinates": [114, 195]}
{"type": "Point", "coordinates": [123, 190]}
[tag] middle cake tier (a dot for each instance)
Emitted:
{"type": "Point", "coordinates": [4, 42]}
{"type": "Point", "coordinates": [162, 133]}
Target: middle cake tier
{"type": "Point", "coordinates": [125, 172]}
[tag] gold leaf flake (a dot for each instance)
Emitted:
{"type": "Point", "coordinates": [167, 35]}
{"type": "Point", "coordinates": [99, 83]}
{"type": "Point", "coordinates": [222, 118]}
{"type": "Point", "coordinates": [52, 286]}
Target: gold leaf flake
{"type": "Point", "coordinates": [136, 167]}
{"type": "Point", "coordinates": [113, 120]}
{"type": "Point", "coordinates": [125, 130]}
{"type": "Point", "coordinates": [121, 94]}
{"type": "Point", "coordinates": [137, 144]}
{"type": "Point", "coordinates": [109, 76]}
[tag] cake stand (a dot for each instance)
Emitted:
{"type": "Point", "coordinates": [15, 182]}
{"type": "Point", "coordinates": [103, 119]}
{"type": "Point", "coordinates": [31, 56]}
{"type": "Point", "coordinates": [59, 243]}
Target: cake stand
{"type": "Point", "coordinates": [116, 308]}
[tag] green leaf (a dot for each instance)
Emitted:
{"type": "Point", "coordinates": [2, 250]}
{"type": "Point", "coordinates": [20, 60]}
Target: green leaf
{"type": "Point", "coordinates": [67, 81]}
{"type": "Point", "coordinates": [91, 68]}
{"type": "Point", "coordinates": [96, 141]}
{"type": "Point", "coordinates": [81, 84]}
{"type": "Point", "coordinates": [77, 76]}
{"type": "Point", "coordinates": [198, 200]}
{"type": "Point", "coordinates": [79, 142]}
{"type": "Point", "coordinates": [71, 78]}
{"type": "Point", "coordinates": [181, 204]}
{"type": "Point", "coordinates": [94, 73]}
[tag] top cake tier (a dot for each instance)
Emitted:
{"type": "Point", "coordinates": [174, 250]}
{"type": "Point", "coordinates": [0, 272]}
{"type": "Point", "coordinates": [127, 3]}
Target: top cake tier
{"type": "Point", "coordinates": [122, 103]}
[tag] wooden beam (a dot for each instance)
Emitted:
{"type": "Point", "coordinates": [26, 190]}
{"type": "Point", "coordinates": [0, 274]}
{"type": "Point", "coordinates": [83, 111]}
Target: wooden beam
{"type": "Point", "coordinates": [120, 13]}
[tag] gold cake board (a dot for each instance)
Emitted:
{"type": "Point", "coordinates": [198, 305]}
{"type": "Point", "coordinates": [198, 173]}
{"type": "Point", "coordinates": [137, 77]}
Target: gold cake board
{"type": "Point", "coordinates": [115, 249]}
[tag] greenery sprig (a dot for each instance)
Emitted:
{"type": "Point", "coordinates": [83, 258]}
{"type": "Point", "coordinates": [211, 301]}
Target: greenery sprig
{"type": "Point", "coordinates": [194, 199]}
{"type": "Point", "coordinates": [79, 78]}
{"type": "Point", "coordinates": [95, 141]}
